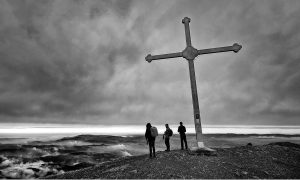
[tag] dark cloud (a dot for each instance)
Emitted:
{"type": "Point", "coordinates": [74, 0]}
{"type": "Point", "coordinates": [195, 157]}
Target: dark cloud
{"type": "Point", "coordinates": [83, 61]}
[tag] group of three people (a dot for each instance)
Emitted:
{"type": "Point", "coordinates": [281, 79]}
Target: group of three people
{"type": "Point", "coordinates": [167, 134]}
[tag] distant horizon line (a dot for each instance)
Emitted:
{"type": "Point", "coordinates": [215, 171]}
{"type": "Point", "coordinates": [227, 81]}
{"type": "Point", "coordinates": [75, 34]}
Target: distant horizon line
{"type": "Point", "coordinates": [153, 124]}
{"type": "Point", "coordinates": [10, 128]}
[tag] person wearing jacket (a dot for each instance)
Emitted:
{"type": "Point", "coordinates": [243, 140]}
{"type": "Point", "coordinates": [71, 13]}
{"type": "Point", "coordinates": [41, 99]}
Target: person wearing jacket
{"type": "Point", "coordinates": [182, 130]}
{"type": "Point", "coordinates": [150, 140]}
{"type": "Point", "coordinates": [166, 136]}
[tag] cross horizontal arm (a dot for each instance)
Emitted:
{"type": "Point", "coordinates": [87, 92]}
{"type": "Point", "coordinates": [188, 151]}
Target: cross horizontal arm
{"type": "Point", "coordinates": [150, 57]}
{"type": "Point", "coordinates": [235, 48]}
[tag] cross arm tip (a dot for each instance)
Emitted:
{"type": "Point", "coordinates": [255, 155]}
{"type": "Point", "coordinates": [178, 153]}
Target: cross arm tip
{"type": "Point", "coordinates": [236, 47]}
{"type": "Point", "coordinates": [148, 58]}
{"type": "Point", "coordinates": [186, 20]}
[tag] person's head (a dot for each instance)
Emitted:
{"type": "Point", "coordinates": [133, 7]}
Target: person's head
{"type": "Point", "coordinates": [148, 125]}
{"type": "Point", "coordinates": [180, 123]}
{"type": "Point", "coordinates": [167, 125]}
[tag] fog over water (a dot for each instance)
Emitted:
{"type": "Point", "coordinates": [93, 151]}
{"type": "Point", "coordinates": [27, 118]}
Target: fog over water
{"type": "Point", "coordinates": [52, 131]}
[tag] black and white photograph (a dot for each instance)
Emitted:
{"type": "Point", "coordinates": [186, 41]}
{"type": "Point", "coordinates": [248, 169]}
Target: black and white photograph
{"type": "Point", "coordinates": [149, 89]}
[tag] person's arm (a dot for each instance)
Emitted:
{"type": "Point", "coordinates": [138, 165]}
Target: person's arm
{"type": "Point", "coordinates": [146, 136]}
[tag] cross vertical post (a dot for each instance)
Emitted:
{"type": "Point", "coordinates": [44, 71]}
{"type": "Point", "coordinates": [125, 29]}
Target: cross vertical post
{"type": "Point", "coordinates": [190, 53]}
{"type": "Point", "coordinates": [197, 118]}
{"type": "Point", "coordinates": [193, 53]}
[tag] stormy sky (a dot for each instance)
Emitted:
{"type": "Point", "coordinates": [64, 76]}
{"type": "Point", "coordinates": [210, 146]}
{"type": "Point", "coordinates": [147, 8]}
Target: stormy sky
{"type": "Point", "coordinates": [83, 61]}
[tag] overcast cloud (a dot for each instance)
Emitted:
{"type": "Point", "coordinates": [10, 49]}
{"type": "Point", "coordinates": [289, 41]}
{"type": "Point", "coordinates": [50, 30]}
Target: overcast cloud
{"type": "Point", "coordinates": [82, 61]}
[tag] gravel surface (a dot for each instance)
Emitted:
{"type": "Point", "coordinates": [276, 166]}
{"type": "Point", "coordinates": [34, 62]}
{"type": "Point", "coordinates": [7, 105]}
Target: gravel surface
{"type": "Point", "coordinates": [276, 160]}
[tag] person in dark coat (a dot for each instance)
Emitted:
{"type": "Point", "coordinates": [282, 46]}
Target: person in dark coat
{"type": "Point", "coordinates": [150, 140]}
{"type": "Point", "coordinates": [182, 130]}
{"type": "Point", "coordinates": [166, 136]}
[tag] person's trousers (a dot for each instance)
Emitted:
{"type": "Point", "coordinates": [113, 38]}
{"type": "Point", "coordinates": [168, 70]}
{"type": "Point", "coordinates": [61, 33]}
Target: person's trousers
{"type": "Point", "coordinates": [152, 147]}
{"type": "Point", "coordinates": [183, 139]}
{"type": "Point", "coordinates": [167, 142]}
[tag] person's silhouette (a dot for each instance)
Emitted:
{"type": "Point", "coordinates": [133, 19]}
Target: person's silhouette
{"type": "Point", "coordinates": [166, 136]}
{"type": "Point", "coordinates": [182, 130]}
{"type": "Point", "coordinates": [150, 140]}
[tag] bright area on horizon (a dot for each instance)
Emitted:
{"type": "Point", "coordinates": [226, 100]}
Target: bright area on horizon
{"type": "Point", "coordinates": [55, 129]}
{"type": "Point", "coordinates": [83, 62]}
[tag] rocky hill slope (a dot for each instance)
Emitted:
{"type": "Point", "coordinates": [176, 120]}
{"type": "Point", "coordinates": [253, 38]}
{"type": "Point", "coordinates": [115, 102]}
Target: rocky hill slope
{"type": "Point", "coordinates": [275, 160]}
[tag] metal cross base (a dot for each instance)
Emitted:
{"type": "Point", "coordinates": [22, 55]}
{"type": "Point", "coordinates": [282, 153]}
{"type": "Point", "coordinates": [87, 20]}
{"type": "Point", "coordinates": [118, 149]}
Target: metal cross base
{"type": "Point", "coordinates": [202, 151]}
{"type": "Point", "coordinates": [190, 53]}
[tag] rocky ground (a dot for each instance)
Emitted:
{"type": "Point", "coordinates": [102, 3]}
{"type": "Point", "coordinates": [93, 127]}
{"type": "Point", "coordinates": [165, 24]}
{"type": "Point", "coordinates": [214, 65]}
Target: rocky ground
{"type": "Point", "coordinates": [275, 160]}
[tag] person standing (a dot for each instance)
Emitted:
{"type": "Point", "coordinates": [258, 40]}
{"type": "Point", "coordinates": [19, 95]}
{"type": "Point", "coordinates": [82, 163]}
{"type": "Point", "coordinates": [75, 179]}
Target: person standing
{"type": "Point", "coordinates": [150, 140]}
{"type": "Point", "coordinates": [168, 133]}
{"type": "Point", "coordinates": [182, 130]}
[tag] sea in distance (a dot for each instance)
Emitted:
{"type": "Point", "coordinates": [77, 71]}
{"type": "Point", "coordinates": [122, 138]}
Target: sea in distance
{"type": "Point", "coordinates": [40, 150]}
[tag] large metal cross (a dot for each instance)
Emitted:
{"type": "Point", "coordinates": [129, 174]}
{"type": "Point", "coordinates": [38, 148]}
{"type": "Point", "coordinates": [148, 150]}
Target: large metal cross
{"type": "Point", "coordinates": [190, 53]}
